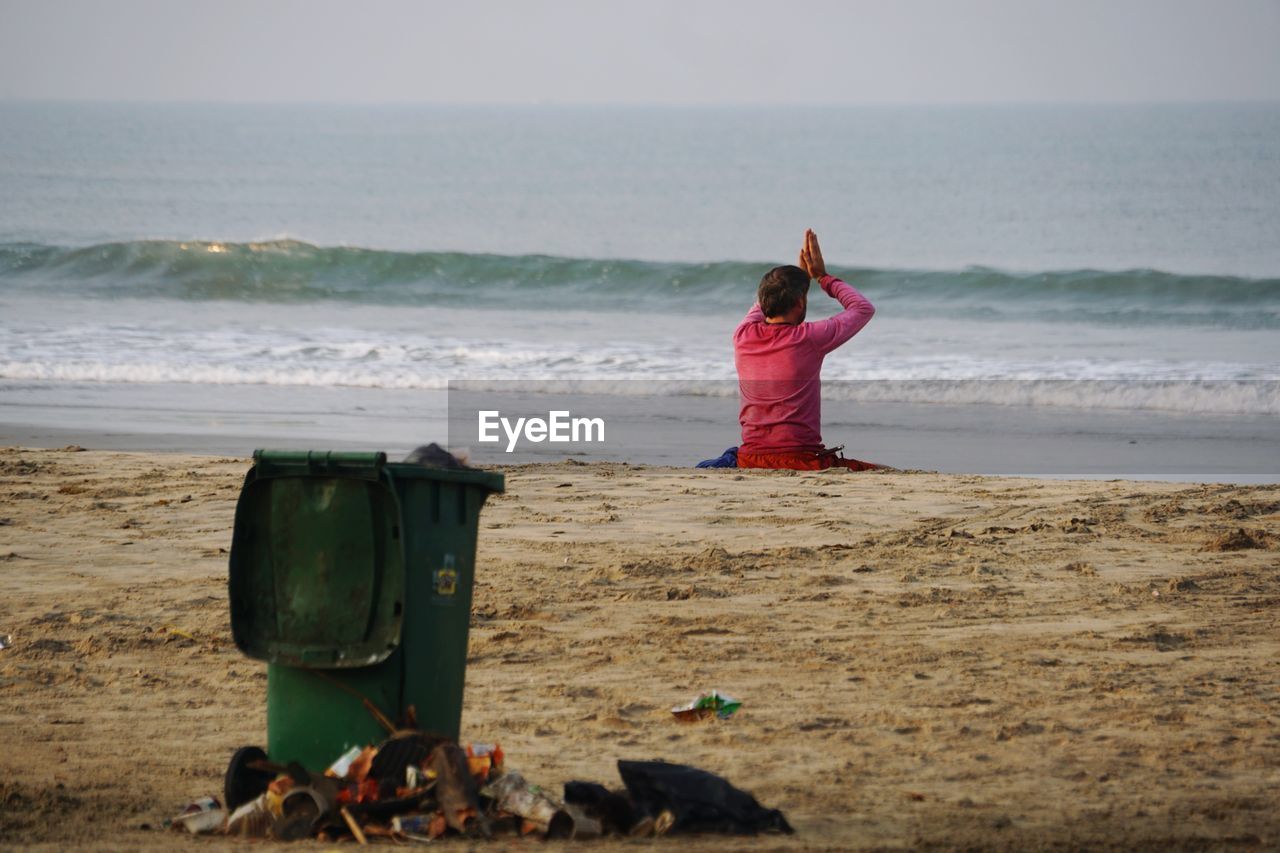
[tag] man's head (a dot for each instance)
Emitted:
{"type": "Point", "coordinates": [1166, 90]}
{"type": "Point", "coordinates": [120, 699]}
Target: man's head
{"type": "Point", "coordinates": [784, 294]}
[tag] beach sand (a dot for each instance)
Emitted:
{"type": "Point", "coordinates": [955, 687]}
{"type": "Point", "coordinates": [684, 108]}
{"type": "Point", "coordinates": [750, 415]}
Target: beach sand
{"type": "Point", "coordinates": [924, 660]}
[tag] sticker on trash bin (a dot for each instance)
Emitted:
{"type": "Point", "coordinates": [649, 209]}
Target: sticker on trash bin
{"type": "Point", "coordinates": [446, 580]}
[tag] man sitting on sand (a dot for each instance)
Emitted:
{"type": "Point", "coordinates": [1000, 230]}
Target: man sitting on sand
{"type": "Point", "coordinates": [779, 360]}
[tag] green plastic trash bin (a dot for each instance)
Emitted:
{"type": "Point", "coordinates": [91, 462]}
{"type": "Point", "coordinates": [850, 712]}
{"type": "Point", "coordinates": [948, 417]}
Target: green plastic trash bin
{"type": "Point", "coordinates": [352, 577]}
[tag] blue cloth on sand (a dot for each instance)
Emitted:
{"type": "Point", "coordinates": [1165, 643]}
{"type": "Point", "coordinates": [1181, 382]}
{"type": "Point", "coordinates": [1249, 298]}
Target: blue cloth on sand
{"type": "Point", "coordinates": [728, 459]}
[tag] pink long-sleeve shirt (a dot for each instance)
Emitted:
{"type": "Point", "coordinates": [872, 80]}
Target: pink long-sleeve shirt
{"type": "Point", "coordinates": [779, 367]}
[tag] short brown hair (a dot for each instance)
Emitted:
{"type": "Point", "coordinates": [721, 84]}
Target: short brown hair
{"type": "Point", "coordinates": [780, 290]}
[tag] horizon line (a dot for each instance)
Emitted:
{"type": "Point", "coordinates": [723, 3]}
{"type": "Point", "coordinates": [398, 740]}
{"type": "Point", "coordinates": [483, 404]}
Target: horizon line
{"type": "Point", "coordinates": [551, 104]}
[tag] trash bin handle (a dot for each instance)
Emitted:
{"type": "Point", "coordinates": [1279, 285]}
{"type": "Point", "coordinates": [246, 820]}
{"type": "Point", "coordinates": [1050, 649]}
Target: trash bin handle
{"type": "Point", "coordinates": [366, 465]}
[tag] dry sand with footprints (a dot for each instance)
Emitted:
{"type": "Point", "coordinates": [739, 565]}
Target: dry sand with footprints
{"type": "Point", "coordinates": [924, 660]}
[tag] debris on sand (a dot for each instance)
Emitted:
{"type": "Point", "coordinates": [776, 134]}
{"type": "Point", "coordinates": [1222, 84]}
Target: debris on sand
{"type": "Point", "coordinates": [706, 705]}
{"type": "Point", "coordinates": [415, 787]}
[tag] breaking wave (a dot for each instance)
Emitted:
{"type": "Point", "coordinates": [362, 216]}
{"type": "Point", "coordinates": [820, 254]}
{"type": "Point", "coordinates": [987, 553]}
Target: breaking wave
{"type": "Point", "coordinates": [291, 271]}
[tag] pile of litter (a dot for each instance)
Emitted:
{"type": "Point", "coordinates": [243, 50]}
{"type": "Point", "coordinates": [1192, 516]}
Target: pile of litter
{"type": "Point", "coordinates": [416, 787]}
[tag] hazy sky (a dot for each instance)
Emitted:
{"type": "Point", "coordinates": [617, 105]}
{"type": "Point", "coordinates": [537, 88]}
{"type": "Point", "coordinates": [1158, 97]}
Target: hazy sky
{"type": "Point", "coordinates": [641, 51]}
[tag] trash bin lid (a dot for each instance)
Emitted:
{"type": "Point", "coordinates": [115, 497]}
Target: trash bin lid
{"type": "Point", "coordinates": [317, 560]}
{"type": "Point", "coordinates": [488, 481]}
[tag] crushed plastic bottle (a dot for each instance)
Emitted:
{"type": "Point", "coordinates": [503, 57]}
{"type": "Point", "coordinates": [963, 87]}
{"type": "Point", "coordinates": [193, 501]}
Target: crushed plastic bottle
{"type": "Point", "coordinates": [204, 815]}
{"type": "Point", "coordinates": [513, 794]}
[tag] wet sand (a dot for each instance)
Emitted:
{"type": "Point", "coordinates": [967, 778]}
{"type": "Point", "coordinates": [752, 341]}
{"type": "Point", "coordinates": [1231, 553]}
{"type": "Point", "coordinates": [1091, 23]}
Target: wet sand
{"type": "Point", "coordinates": [924, 660]}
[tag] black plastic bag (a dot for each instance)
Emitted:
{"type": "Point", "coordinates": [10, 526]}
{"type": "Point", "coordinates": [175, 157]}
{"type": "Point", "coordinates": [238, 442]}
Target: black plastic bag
{"type": "Point", "coordinates": [614, 811]}
{"type": "Point", "coordinates": [699, 801]}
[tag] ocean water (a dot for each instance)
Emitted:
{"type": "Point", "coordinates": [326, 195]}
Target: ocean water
{"type": "Point", "coordinates": [202, 269]}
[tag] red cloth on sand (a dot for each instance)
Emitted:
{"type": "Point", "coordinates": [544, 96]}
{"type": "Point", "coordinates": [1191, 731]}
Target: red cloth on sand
{"type": "Point", "coordinates": [802, 460]}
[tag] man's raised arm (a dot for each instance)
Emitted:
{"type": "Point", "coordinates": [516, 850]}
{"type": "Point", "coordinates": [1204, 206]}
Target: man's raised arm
{"type": "Point", "coordinates": [828, 334]}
